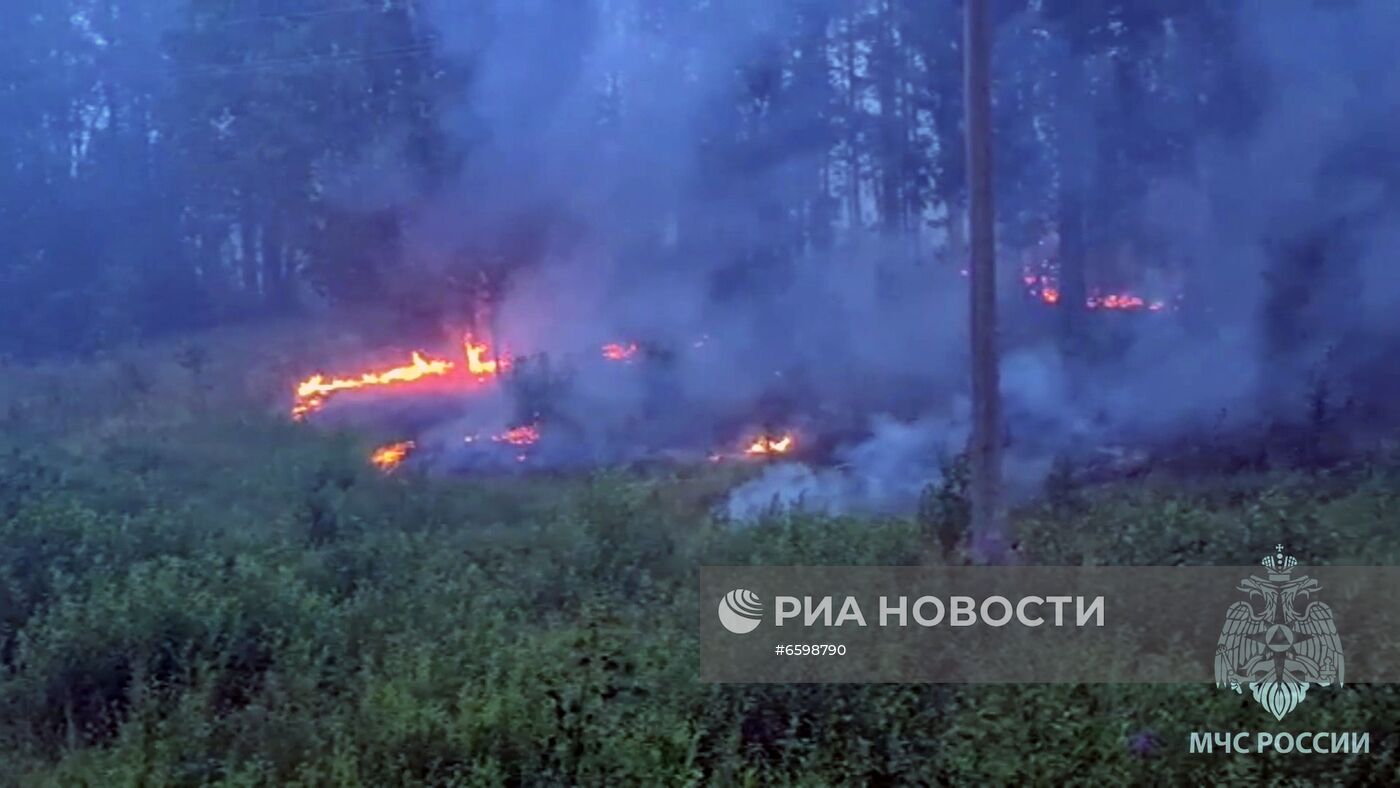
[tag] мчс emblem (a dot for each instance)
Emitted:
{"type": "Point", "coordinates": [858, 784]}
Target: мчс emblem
{"type": "Point", "coordinates": [1275, 647]}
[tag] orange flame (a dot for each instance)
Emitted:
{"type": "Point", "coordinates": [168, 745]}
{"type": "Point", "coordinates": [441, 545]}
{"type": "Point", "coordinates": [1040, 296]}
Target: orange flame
{"type": "Point", "coordinates": [387, 458]}
{"type": "Point", "coordinates": [525, 435]}
{"type": "Point", "coordinates": [479, 361]}
{"type": "Point", "coordinates": [768, 445]}
{"type": "Point", "coordinates": [614, 351]}
{"type": "Point", "coordinates": [312, 393]}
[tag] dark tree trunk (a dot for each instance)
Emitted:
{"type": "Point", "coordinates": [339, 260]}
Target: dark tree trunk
{"type": "Point", "coordinates": [988, 538]}
{"type": "Point", "coordinates": [248, 256]}
{"type": "Point", "coordinates": [891, 128]}
{"type": "Point", "coordinates": [276, 281]}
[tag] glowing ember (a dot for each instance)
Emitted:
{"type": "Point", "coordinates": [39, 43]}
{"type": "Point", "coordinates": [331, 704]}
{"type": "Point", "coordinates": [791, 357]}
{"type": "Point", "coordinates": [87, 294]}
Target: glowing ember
{"type": "Point", "coordinates": [1042, 283]}
{"type": "Point", "coordinates": [387, 458]}
{"type": "Point", "coordinates": [768, 445]}
{"type": "Point", "coordinates": [526, 435]}
{"type": "Point", "coordinates": [615, 351]}
{"type": "Point", "coordinates": [1115, 301]}
{"type": "Point", "coordinates": [313, 392]}
{"type": "Point", "coordinates": [1045, 288]}
{"type": "Point", "coordinates": [1124, 301]}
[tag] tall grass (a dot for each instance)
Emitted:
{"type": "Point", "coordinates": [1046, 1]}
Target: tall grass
{"type": "Point", "coordinates": [211, 595]}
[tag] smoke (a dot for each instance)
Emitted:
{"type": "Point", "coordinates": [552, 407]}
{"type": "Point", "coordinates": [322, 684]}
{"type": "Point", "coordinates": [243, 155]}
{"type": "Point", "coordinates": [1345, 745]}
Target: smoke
{"type": "Point", "coordinates": [886, 473]}
{"type": "Point", "coordinates": [600, 175]}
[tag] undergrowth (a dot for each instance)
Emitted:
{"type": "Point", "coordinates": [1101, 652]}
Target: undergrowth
{"type": "Point", "coordinates": [235, 600]}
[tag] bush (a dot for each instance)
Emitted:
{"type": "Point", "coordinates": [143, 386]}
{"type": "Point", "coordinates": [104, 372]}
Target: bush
{"type": "Point", "coordinates": [235, 601]}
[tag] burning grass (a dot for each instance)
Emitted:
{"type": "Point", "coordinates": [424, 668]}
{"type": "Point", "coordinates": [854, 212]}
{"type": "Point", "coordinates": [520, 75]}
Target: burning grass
{"type": "Point", "coordinates": [481, 368]}
{"type": "Point", "coordinates": [387, 458]}
{"type": "Point", "coordinates": [771, 445]}
{"type": "Point", "coordinates": [485, 370]}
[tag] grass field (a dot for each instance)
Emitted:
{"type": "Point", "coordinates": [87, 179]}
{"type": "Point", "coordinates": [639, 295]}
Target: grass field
{"type": "Point", "coordinates": [195, 591]}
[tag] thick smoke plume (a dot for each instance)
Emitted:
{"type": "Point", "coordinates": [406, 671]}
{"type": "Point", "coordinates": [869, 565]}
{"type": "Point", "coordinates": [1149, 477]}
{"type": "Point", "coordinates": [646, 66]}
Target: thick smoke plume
{"type": "Point", "coordinates": [596, 191]}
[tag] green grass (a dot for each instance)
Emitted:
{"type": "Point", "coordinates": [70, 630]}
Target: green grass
{"type": "Point", "coordinates": [219, 597]}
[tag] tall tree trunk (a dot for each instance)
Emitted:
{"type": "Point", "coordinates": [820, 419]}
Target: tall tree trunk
{"type": "Point", "coordinates": [853, 123]}
{"type": "Point", "coordinates": [956, 224]}
{"type": "Point", "coordinates": [277, 286]}
{"type": "Point", "coordinates": [988, 538]}
{"type": "Point", "coordinates": [248, 255]}
{"type": "Point", "coordinates": [893, 179]}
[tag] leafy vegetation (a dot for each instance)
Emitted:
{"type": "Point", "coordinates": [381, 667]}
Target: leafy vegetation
{"type": "Point", "coordinates": [230, 599]}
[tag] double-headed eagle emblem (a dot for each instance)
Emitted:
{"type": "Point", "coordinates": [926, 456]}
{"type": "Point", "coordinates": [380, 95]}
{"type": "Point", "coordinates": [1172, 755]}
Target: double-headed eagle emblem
{"type": "Point", "coordinates": [1280, 641]}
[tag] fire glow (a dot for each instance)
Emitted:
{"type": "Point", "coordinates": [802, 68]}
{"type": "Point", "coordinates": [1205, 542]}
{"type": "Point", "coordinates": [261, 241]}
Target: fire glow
{"type": "Point", "coordinates": [387, 458]}
{"type": "Point", "coordinates": [479, 365]}
{"type": "Point", "coordinates": [615, 351]}
{"type": "Point", "coordinates": [768, 445]}
{"type": "Point", "coordinates": [526, 435]}
{"type": "Point", "coordinates": [1045, 289]}
{"type": "Point", "coordinates": [313, 393]}
{"type": "Point", "coordinates": [479, 361]}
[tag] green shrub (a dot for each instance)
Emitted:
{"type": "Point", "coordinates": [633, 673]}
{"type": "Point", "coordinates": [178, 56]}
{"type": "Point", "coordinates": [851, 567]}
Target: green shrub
{"type": "Point", "coordinates": [236, 601]}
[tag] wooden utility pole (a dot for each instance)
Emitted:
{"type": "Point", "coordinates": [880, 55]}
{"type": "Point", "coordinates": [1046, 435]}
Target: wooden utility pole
{"type": "Point", "coordinates": [988, 538]}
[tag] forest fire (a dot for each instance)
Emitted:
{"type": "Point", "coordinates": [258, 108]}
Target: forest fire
{"type": "Point", "coordinates": [387, 458]}
{"type": "Point", "coordinates": [526, 435]}
{"type": "Point", "coordinates": [1045, 289]}
{"type": "Point", "coordinates": [479, 361]}
{"type": "Point", "coordinates": [392, 455]}
{"type": "Point", "coordinates": [767, 445]}
{"type": "Point", "coordinates": [615, 351]}
{"type": "Point", "coordinates": [314, 392]}
{"type": "Point", "coordinates": [1123, 301]}
{"type": "Point", "coordinates": [479, 366]}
